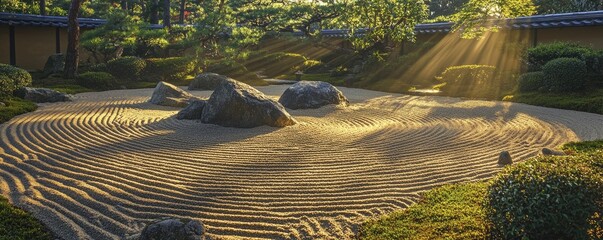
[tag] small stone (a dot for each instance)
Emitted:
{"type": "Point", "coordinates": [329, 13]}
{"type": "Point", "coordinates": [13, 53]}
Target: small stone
{"type": "Point", "coordinates": [2, 104]}
{"type": "Point", "coordinates": [551, 152]}
{"type": "Point", "coordinates": [505, 158]}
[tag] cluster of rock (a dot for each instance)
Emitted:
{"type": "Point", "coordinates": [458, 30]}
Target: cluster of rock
{"type": "Point", "coordinates": [42, 95]}
{"type": "Point", "coordinates": [504, 158]}
{"type": "Point", "coordinates": [236, 104]}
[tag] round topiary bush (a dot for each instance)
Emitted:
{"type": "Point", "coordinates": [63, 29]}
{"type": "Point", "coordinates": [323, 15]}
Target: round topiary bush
{"type": "Point", "coordinates": [532, 81]}
{"type": "Point", "coordinates": [547, 198]}
{"type": "Point", "coordinates": [168, 69]}
{"type": "Point", "coordinates": [14, 78]}
{"type": "Point", "coordinates": [127, 68]}
{"type": "Point", "coordinates": [96, 80]}
{"type": "Point", "coordinates": [565, 74]}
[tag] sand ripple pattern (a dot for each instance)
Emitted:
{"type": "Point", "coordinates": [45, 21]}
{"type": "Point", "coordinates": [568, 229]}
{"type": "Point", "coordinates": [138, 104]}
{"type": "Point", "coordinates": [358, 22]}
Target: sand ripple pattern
{"type": "Point", "coordinates": [103, 166]}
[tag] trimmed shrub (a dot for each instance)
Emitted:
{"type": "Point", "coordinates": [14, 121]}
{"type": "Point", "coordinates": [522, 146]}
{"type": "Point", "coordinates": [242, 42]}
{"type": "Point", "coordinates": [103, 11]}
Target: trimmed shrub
{"type": "Point", "coordinates": [234, 70]}
{"type": "Point", "coordinates": [168, 69]}
{"type": "Point", "coordinates": [565, 74]}
{"type": "Point", "coordinates": [339, 71]}
{"type": "Point", "coordinates": [469, 81]}
{"type": "Point", "coordinates": [96, 80]}
{"type": "Point", "coordinates": [340, 57]}
{"type": "Point", "coordinates": [126, 68]}
{"type": "Point", "coordinates": [6, 85]}
{"type": "Point", "coordinates": [101, 67]}
{"type": "Point", "coordinates": [14, 107]}
{"type": "Point", "coordinates": [532, 81]}
{"type": "Point", "coordinates": [547, 198]}
{"type": "Point", "coordinates": [14, 78]}
{"type": "Point", "coordinates": [538, 56]}
{"type": "Point", "coordinates": [276, 64]}
{"type": "Point", "coordinates": [313, 66]}
{"type": "Point", "coordinates": [227, 68]}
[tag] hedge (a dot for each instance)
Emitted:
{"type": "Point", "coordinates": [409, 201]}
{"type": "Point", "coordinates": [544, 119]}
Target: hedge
{"type": "Point", "coordinates": [168, 69]}
{"type": "Point", "coordinates": [276, 64]}
{"type": "Point", "coordinates": [97, 80]}
{"type": "Point", "coordinates": [126, 68]}
{"type": "Point", "coordinates": [538, 56]}
{"type": "Point", "coordinates": [548, 198]}
{"type": "Point", "coordinates": [469, 81]}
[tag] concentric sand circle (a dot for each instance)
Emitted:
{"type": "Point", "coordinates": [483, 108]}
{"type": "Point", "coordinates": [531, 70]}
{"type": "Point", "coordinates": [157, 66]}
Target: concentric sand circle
{"type": "Point", "coordinates": [103, 166]}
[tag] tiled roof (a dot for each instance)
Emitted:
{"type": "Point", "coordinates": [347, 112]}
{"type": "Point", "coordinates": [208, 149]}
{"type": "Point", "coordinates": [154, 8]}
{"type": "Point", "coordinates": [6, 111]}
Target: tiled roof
{"type": "Point", "coordinates": [16, 19]}
{"type": "Point", "coordinates": [576, 19]}
{"type": "Point", "coordinates": [52, 21]}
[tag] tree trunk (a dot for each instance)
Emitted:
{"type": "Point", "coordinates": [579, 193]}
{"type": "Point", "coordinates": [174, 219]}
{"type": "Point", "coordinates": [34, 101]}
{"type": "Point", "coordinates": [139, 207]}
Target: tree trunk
{"type": "Point", "coordinates": [166, 14]}
{"type": "Point", "coordinates": [73, 40]}
{"type": "Point", "coordinates": [182, 8]}
{"type": "Point", "coordinates": [124, 5]}
{"type": "Point", "coordinates": [154, 18]}
{"type": "Point", "coordinates": [42, 4]}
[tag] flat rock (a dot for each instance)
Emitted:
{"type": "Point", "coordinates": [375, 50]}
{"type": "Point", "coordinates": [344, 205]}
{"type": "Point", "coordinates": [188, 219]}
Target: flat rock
{"type": "Point", "coordinates": [551, 152]}
{"type": "Point", "coordinates": [236, 104]}
{"type": "Point", "coordinates": [42, 95]}
{"type": "Point", "coordinates": [173, 229]}
{"type": "Point", "coordinates": [505, 158]}
{"type": "Point", "coordinates": [2, 104]}
{"type": "Point", "coordinates": [166, 94]}
{"type": "Point", "coordinates": [194, 110]}
{"type": "Point", "coordinates": [311, 94]}
{"type": "Point", "coordinates": [207, 81]}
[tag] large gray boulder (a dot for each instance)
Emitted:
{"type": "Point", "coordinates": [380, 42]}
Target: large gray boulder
{"type": "Point", "coordinates": [236, 104]}
{"type": "Point", "coordinates": [54, 64]}
{"type": "Point", "coordinates": [166, 94]}
{"type": "Point", "coordinates": [42, 95]}
{"type": "Point", "coordinates": [194, 110]}
{"type": "Point", "coordinates": [173, 229]}
{"type": "Point", "coordinates": [207, 81]}
{"type": "Point", "coordinates": [311, 94]}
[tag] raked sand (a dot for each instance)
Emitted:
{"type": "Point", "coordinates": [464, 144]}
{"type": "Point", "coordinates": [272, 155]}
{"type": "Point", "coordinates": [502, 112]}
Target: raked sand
{"type": "Point", "coordinates": [103, 166]}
